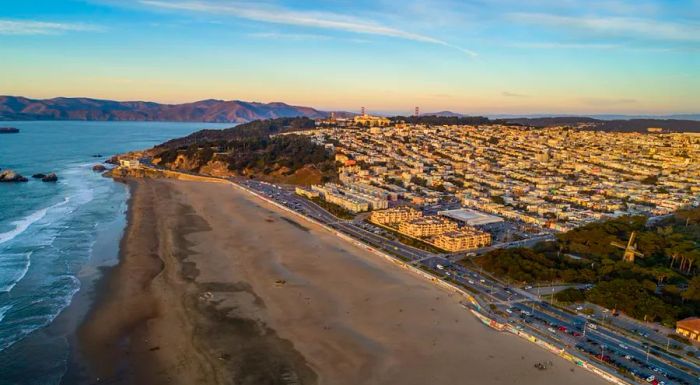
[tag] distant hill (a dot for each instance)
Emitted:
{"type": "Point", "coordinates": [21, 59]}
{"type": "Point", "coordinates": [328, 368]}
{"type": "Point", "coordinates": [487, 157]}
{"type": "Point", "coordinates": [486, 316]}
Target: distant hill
{"type": "Point", "coordinates": [444, 114]}
{"type": "Point", "coordinates": [251, 130]}
{"type": "Point", "coordinates": [627, 125]}
{"type": "Point", "coordinates": [214, 111]}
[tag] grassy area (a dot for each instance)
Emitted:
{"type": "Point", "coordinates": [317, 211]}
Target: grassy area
{"type": "Point", "coordinates": [678, 338]}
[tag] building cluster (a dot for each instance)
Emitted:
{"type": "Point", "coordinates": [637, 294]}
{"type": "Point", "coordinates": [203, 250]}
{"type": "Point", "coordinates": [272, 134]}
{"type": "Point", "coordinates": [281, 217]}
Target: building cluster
{"type": "Point", "coordinates": [353, 197]}
{"type": "Point", "coordinates": [436, 230]}
{"type": "Point", "coordinates": [556, 178]}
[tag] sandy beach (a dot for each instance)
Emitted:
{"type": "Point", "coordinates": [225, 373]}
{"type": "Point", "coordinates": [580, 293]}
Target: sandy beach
{"type": "Point", "coordinates": [216, 286]}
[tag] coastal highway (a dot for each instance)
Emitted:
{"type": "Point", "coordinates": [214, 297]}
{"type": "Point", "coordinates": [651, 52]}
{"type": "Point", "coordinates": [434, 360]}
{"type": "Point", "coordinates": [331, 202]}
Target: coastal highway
{"type": "Point", "coordinates": [511, 305]}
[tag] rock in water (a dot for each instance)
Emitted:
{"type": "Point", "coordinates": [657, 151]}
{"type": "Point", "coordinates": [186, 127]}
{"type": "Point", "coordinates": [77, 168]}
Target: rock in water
{"type": "Point", "coordinates": [11, 176]}
{"type": "Point", "coordinates": [39, 176]}
{"type": "Point", "coordinates": [98, 168]}
{"type": "Point", "coordinates": [51, 177]}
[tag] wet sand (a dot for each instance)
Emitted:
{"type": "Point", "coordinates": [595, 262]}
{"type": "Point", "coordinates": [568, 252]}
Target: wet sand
{"type": "Point", "coordinates": [217, 287]}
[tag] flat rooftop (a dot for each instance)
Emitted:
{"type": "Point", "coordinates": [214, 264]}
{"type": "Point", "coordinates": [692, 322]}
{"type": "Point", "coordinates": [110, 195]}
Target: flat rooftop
{"type": "Point", "coordinates": [471, 217]}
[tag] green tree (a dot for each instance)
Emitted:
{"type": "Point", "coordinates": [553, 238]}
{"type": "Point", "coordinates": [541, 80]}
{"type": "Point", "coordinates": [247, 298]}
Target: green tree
{"type": "Point", "coordinates": [692, 293]}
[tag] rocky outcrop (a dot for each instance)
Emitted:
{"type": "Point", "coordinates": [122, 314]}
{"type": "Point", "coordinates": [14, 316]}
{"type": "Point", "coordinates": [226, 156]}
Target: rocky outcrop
{"type": "Point", "coordinates": [98, 168]}
{"type": "Point", "coordinates": [51, 177]}
{"type": "Point", "coordinates": [8, 130]}
{"type": "Point", "coordinates": [11, 176]}
{"type": "Point", "coordinates": [39, 176]}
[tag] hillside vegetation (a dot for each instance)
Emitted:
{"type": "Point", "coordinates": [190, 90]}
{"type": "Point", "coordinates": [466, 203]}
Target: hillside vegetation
{"type": "Point", "coordinates": [664, 285]}
{"type": "Point", "coordinates": [250, 150]}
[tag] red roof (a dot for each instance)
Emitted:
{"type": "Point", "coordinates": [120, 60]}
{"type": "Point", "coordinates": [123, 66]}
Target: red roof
{"type": "Point", "coordinates": [692, 323]}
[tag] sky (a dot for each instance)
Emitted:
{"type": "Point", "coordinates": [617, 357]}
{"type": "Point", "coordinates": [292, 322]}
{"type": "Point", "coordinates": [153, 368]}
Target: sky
{"type": "Point", "coordinates": [468, 56]}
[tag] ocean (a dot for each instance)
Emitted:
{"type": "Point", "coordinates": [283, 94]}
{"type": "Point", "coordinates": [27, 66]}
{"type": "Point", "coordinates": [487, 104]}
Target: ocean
{"type": "Point", "coordinates": [55, 237]}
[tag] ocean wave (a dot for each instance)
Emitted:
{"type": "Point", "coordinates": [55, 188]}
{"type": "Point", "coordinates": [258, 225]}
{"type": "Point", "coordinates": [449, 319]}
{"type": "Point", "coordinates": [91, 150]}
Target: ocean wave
{"type": "Point", "coordinates": [20, 268]}
{"type": "Point", "coordinates": [67, 285]}
{"type": "Point", "coordinates": [4, 310]}
{"type": "Point", "coordinates": [24, 223]}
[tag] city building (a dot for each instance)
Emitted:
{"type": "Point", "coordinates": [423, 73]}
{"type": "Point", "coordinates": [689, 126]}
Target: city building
{"type": "Point", "coordinates": [332, 193]}
{"type": "Point", "coordinates": [371, 121]}
{"type": "Point", "coordinates": [307, 193]}
{"type": "Point", "coordinates": [471, 217]}
{"type": "Point", "coordinates": [394, 215]}
{"type": "Point", "coordinates": [426, 226]}
{"type": "Point", "coordinates": [689, 328]}
{"type": "Point", "coordinates": [129, 163]}
{"type": "Point", "coordinates": [466, 238]}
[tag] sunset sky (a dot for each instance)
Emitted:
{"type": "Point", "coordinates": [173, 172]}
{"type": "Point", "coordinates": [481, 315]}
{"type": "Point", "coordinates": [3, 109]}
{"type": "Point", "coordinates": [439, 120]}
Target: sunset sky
{"type": "Point", "coordinates": [469, 56]}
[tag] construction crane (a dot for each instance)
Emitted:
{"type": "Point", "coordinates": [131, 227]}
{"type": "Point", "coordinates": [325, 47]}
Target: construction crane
{"type": "Point", "coordinates": [630, 249]}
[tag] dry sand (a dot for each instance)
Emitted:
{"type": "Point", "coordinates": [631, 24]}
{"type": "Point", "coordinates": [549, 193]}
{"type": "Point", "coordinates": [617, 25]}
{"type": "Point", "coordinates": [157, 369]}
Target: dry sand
{"type": "Point", "coordinates": [196, 300]}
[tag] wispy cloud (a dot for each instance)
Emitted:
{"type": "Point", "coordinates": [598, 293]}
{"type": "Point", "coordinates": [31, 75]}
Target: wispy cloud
{"type": "Point", "coordinates": [288, 36]}
{"type": "Point", "coordinates": [325, 20]}
{"type": "Point", "coordinates": [558, 45]}
{"type": "Point", "coordinates": [33, 27]}
{"type": "Point", "coordinates": [514, 95]}
{"type": "Point", "coordinates": [627, 27]}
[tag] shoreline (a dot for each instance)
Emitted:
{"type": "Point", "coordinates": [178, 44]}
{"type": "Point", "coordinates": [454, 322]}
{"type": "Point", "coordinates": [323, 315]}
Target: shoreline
{"type": "Point", "coordinates": [219, 296]}
{"type": "Point", "coordinates": [148, 324]}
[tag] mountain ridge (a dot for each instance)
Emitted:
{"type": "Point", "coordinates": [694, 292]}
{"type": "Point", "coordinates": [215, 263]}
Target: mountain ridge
{"type": "Point", "coordinates": [208, 110]}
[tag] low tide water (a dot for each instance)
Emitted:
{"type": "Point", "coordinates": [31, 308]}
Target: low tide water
{"type": "Point", "coordinates": [54, 236]}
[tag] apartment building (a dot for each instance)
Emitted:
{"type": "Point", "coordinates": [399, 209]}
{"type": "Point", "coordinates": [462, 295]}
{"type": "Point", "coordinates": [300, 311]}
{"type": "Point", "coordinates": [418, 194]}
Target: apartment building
{"type": "Point", "coordinates": [394, 215]}
{"type": "Point", "coordinates": [306, 193]}
{"type": "Point", "coordinates": [426, 226]}
{"type": "Point", "coordinates": [466, 238]}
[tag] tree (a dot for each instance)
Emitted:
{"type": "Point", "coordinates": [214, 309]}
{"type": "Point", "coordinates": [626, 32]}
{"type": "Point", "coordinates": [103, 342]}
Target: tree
{"type": "Point", "coordinates": [650, 180]}
{"type": "Point", "coordinates": [570, 295]}
{"type": "Point", "coordinates": [498, 199]}
{"type": "Point", "coordinates": [692, 293]}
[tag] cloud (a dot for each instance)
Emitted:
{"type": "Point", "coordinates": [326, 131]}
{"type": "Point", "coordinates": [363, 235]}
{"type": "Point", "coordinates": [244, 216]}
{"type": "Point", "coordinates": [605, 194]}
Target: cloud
{"type": "Point", "coordinates": [627, 27]}
{"type": "Point", "coordinates": [557, 45]}
{"type": "Point", "coordinates": [514, 95]}
{"type": "Point", "coordinates": [324, 20]}
{"type": "Point", "coordinates": [288, 36]}
{"type": "Point", "coordinates": [33, 27]}
{"type": "Point", "coordinates": [600, 102]}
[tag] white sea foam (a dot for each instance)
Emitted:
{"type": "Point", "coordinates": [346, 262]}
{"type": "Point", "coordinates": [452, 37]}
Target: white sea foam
{"type": "Point", "coordinates": [24, 223]}
{"type": "Point", "coordinates": [21, 266]}
{"type": "Point", "coordinates": [4, 310]}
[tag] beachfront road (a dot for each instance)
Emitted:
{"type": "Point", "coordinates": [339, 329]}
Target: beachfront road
{"type": "Point", "coordinates": [625, 352]}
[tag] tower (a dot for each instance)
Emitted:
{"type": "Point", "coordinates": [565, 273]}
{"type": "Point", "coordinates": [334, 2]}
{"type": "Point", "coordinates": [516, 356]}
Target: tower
{"type": "Point", "coordinates": [363, 112]}
{"type": "Point", "coordinates": [417, 113]}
